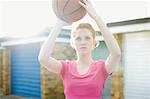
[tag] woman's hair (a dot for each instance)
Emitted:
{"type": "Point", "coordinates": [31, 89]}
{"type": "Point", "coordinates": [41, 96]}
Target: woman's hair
{"type": "Point", "coordinates": [85, 26]}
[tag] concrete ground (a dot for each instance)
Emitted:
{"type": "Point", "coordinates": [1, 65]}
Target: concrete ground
{"type": "Point", "coordinates": [12, 97]}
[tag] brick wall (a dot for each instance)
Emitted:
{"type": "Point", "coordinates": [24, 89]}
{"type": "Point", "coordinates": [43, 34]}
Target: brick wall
{"type": "Point", "coordinates": [5, 71]}
{"type": "Point", "coordinates": [1, 93]}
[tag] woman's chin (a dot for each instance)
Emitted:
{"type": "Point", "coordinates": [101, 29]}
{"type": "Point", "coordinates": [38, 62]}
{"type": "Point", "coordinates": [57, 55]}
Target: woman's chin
{"type": "Point", "coordinates": [83, 51]}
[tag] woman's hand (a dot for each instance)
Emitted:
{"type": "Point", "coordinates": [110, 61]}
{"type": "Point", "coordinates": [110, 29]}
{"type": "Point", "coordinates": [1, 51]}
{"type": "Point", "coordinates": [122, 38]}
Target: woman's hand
{"type": "Point", "coordinates": [89, 8]}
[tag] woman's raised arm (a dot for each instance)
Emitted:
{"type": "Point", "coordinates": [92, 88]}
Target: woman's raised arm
{"type": "Point", "coordinates": [44, 57]}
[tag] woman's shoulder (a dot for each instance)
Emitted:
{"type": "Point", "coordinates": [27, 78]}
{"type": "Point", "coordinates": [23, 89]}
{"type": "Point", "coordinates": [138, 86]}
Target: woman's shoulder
{"type": "Point", "coordinates": [67, 61]}
{"type": "Point", "coordinates": [99, 63]}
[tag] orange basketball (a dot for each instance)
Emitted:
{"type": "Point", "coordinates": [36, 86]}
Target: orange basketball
{"type": "Point", "coordinates": [68, 10]}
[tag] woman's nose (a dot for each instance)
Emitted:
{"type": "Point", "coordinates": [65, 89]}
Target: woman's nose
{"type": "Point", "coordinates": [83, 41]}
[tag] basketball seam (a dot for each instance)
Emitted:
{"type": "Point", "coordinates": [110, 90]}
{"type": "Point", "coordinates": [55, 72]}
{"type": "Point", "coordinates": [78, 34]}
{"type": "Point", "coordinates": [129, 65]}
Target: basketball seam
{"type": "Point", "coordinates": [65, 19]}
{"type": "Point", "coordinates": [73, 11]}
{"type": "Point", "coordinates": [65, 6]}
{"type": "Point", "coordinates": [74, 19]}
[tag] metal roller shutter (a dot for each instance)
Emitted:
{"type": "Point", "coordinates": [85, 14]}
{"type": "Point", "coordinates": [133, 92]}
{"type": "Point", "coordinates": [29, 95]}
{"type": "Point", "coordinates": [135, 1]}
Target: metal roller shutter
{"type": "Point", "coordinates": [25, 71]}
{"type": "Point", "coordinates": [136, 54]}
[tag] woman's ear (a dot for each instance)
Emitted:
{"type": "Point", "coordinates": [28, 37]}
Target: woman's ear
{"type": "Point", "coordinates": [71, 43]}
{"type": "Point", "coordinates": [96, 44]}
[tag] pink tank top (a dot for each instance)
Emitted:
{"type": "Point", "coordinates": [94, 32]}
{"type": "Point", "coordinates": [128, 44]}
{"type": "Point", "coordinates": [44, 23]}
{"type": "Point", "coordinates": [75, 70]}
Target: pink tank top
{"type": "Point", "coordinates": [89, 85]}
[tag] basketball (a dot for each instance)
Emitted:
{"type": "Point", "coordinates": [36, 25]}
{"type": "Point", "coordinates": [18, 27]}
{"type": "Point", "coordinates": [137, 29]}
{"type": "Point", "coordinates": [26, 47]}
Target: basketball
{"type": "Point", "coordinates": [68, 10]}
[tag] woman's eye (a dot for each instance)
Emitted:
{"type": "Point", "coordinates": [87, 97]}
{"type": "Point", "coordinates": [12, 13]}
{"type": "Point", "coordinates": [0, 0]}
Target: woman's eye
{"type": "Point", "coordinates": [78, 38]}
{"type": "Point", "coordinates": [87, 38]}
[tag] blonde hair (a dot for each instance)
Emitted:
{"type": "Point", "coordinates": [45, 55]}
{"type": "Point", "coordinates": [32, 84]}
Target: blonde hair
{"type": "Point", "coordinates": [85, 26]}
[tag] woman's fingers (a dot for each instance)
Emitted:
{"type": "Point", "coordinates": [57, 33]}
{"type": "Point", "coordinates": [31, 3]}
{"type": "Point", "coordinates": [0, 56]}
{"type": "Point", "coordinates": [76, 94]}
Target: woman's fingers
{"type": "Point", "coordinates": [82, 4]}
{"type": "Point", "coordinates": [85, 1]}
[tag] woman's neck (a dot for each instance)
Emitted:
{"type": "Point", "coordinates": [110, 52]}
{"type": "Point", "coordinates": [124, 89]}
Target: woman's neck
{"type": "Point", "coordinates": [84, 59]}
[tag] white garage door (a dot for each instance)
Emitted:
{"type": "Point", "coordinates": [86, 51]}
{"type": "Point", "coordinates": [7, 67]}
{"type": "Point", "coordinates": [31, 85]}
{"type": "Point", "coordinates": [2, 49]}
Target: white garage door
{"type": "Point", "coordinates": [136, 60]}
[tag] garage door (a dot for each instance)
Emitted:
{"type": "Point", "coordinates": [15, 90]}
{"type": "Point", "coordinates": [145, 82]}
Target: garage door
{"type": "Point", "coordinates": [136, 57]}
{"type": "Point", "coordinates": [25, 71]}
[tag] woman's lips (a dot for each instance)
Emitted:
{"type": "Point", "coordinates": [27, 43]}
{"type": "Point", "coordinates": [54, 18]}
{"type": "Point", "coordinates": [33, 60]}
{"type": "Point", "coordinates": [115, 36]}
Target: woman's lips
{"type": "Point", "coordinates": [83, 47]}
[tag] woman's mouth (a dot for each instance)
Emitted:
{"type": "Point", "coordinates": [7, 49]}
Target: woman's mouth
{"type": "Point", "coordinates": [83, 47]}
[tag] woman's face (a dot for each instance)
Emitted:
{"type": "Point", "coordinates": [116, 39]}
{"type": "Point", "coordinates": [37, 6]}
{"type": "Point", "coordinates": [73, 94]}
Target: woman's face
{"type": "Point", "coordinates": [83, 41]}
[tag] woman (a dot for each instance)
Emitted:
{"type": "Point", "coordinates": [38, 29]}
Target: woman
{"type": "Point", "coordinates": [83, 78]}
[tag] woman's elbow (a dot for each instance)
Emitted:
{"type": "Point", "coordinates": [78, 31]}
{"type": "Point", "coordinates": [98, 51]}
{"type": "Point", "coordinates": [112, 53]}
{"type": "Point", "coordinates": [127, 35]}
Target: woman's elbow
{"type": "Point", "coordinates": [117, 55]}
{"type": "Point", "coordinates": [41, 59]}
